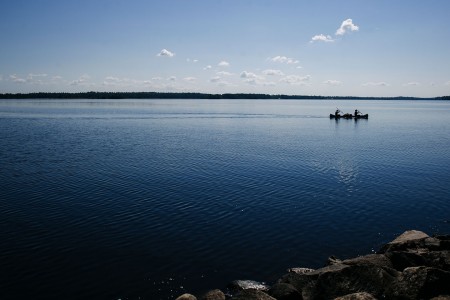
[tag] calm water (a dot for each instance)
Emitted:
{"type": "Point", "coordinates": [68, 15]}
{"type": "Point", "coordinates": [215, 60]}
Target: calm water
{"type": "Point", "coordinates": [148, 199]}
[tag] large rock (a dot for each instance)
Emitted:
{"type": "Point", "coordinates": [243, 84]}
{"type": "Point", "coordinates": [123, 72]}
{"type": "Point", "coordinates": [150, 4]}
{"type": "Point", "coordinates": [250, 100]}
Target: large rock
{"type": "Point", "coordinates": [251, 294]}
{"type": "Point", "coordinates": [213, 295]}
{"type": "Point", "coordinates": [357, 296]}
{"type": "Point", "coordinates": [413, 240]}
{"type": "Point", "coordinates": [409, 235]}
{"type": "Point", "coordinates": [241, 285]}
{"type": "Point", "coordinates": [379, 260]}
{"type": "Point", "coordinates": [300, 270]}
{"type": "Point", "coordinates": [285, 291]}
{"type": "Point", "coordinates": [186, 297]}
{"type": "Point", "coordinates": [420, 283]}
{"type": "Point", "coordinates": [352, 279]}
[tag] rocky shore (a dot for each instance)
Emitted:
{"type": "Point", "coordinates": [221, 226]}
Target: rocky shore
{"type": "Point", "coordinates": [413, 266]}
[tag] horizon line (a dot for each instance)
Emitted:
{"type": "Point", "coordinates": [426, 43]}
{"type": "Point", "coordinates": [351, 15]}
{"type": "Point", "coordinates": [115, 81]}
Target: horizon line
{"type": "Point", "coordinates": [193, 95]}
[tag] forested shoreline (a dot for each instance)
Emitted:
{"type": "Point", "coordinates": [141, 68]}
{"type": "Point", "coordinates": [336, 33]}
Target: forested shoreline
{"type": "Point", "coordinates": [157, 95]}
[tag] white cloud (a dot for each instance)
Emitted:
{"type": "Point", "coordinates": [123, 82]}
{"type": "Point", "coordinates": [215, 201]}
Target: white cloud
{"type": "Point", "coordinates": [157, 78]}
{"type": "Point", "coordinates": [332, 82]}
{"type": "Point", "coordinates": [382, 83]}
{"type": "Point", "coordinates": [284, 60]}
{"type": "Point", "coordinates": [224, 73]}
{"type": "Point", "coordinates": [259, 81]}
{"type": "Point", "coordinates": [36, 78]}
{"type": "Point", "coordinates": [347, 25]}
{"type": "Point", "coordinates": [246, 74]}
{"type": "Point", "coordinates": [165, 52]}
{"type": "Point", "coordinates": [14, 78]}
{"type": "Point", "coordinates": [192, 60]}
{"type": "Point", "coordinates": [223, 64]}
{"type": "Point", "coordinates": [271, 72]}
{"type": "Point", "coordinates": [190, 79]}
{"type": "Point", "coordinates": [413, 83]}
{"type": "Point", "coordinates": [321, 38]}
{"type": "Point", "coordinates": [296, 80]}
{"type": "Point", "coordinates": [56, 78]}
{"type": "Point", "coordinates": [83, 80]}
{"type": "Point", "coordinates": [215, 79]}
{"type": "Point", "coordinates": [207, 67]}
{"type": "Point", "coordinates": [172, 78]}
{"type": "Point", "coordinates": [219, 81]}
{"type": "Point", "coordinates": [114, 81]}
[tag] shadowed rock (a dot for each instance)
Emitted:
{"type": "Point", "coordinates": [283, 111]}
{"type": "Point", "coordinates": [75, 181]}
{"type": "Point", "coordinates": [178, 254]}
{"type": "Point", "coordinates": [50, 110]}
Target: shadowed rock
{"type": "Point", "coordinates": [285, 291]}
{"type": "Point", "coordinates": [251, 294]}
{"type": "Point", "coordinates": [348, 280]}
{"type": "Point", "coordinates": [213, 295]}
{"type": "Point", "coordinates": [420, 283]}
{"type": "Point", "coordinates": [357, 296]}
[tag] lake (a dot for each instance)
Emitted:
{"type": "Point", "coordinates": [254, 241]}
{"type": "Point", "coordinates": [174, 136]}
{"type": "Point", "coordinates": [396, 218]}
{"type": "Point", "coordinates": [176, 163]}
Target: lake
{"type": "Point", "coordinates": [149, 199]}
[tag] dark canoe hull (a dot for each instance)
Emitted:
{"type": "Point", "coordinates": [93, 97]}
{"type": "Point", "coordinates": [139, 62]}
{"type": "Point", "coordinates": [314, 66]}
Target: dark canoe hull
{"type": "Point", "coordinates": [348, 116]}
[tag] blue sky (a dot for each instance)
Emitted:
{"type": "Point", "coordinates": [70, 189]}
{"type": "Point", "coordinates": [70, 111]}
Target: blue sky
{"type": "Point", "coordinates": [362, 48]}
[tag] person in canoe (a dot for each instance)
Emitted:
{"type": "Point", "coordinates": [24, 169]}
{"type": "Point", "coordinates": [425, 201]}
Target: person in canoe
{"type": "Point", "coordinates": [357, 112]}
{"type": "Point", "coordinates": [336, 114]}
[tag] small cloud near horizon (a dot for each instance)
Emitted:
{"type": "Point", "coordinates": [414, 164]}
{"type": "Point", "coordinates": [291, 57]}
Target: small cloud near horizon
{"type": "Point", "coordinates": [382, 83]}
{"type": "Point", "coordinates": [332, 82]}
{"type": "Point", "coordinates": [413, 83]}
{"type": "Point", "coordinates": [271, 72]}
{"type": "Point", "coordinates": [284, 60]}
{"type": "Point", "coordinates": [296, 80]}
{"type": "Point", "coordinates": [224, 73]}
{"type": "Point", "coordinates": [223, 64]}
{"type": "Point", "coordinates": [14, 78]}
{"type": "Point", "coordinates": [83, 80]}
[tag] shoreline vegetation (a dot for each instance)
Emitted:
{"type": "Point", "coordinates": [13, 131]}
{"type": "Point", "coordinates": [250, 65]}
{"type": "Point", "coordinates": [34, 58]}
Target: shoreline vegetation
{"type": "Point", "coordinates": [158, 95]}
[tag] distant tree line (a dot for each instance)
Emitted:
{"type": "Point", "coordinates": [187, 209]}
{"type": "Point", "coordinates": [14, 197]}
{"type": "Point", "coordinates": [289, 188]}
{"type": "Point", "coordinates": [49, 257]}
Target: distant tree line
{"type": "Point", "coordinates": [156, 95]}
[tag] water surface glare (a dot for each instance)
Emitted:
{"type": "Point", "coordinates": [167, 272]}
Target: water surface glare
{"type": "Point", "coordinates": [148, 199]}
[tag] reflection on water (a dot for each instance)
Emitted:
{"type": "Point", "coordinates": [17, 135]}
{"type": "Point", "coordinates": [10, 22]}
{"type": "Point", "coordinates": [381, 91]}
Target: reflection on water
{"type": "Point", "coordinates": [152, 198]}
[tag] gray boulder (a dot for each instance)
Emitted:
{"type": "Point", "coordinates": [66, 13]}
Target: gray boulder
{"type": "Point", "coordinates": [213, 295]}
{"type": "Point", "coordinates": [357, 296]}
{"type": "Point", "coordinates": [251, 294]}
{"type": "Point", "coordinates": [241, 285]}
{"type": "Point", "coordinates": [285, 291]}
{"type": "Point", "coordinates": [420, 283]}
{"type": "Point", "coordinates": [186, 297]}
{"type": "Point", "coordinates": [351, 279]}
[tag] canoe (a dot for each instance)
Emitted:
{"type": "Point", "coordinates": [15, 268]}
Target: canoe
{"type": "Point", "coordinates": [349, 116]}
{"type": "Point", "coordinates": [366, 116]}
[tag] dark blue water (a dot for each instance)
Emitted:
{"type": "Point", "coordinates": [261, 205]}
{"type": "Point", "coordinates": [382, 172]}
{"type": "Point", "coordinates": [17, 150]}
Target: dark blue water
{"type": "Point", "coordinates": [148, 199]}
